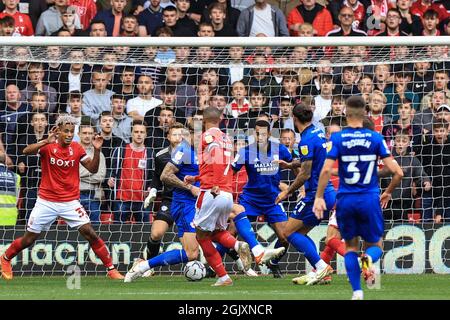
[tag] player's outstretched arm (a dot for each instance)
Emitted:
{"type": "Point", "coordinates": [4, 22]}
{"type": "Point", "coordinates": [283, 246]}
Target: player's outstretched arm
{"type": "Point", "coordinates": [394, 168]}
{"type": "Point", "coordinates": [33, 149]}
{"type": "Point", "coordinates": [325, 175]}
{"type": "Point", "coordinates": [93, 164]}
{"type": "Point", "coordinates": [303, 175]}
{"type": "Point", "coordinates": [169, 178]}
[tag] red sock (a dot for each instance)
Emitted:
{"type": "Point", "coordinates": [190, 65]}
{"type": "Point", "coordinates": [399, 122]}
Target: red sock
{"type": "Point", "coordinates": [212, 256]}
{"type": "Point", "coordinates": [327, 254]}
{"type": "Point", "coordinates": [224, 238]}
{"type": "Point", "coordinates": [337, 245]}
{"type": "Point", "coordinates": [98, 246]}
{"type": "Point", "coordinates": [14, 249]}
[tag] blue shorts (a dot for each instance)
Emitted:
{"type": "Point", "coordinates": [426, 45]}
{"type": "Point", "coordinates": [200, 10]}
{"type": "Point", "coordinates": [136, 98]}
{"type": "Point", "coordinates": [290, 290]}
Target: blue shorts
{"type": "Point", "coordinates": [304, 210]}
{"type": "Point", "coordinates": [273, 213]}
{"type": "Point", "coordinates": [360, 215]}
{"type": "Point", "coordinates": [183, 213]}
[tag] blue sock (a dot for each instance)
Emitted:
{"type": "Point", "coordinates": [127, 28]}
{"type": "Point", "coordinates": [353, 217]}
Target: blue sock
{"type": "Point", "coordinates": [221, 249]}
{"type": "Point", "coordinates": [302, 244]}
{"type": "Point", "coordinates": [168, 258]}
{"type": "Point", "coordinates": [353, 269]}
{"type": "Point", "coordinates": [375, 253]}
{"type": "Point", "coordinates": [245, 229]}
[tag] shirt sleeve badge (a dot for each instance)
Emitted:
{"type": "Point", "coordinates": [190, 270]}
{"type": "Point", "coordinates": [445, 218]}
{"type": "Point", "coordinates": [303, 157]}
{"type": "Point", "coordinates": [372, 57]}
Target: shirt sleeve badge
{"type": "Point", "coordinates": [209, 138]}
{"type": "Point", "coordinates": [304, 150]}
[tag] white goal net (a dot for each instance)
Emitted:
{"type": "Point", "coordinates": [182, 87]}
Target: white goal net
{"type": "Point", "coordinates": [110, 83]}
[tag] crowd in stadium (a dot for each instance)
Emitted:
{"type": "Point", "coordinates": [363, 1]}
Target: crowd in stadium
{"type": "Point", "coordinates": [408, 103]}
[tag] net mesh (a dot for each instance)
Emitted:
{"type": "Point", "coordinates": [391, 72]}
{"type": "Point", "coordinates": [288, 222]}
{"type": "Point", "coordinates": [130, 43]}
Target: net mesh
{"type": "Point", "coordinates": [405, 87]}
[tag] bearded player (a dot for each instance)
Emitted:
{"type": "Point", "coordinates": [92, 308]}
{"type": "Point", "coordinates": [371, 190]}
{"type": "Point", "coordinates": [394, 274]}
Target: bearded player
{"type": "Point", "coordinates": [59, 193]}
{"type": "Point", "coordinates": [215, 201]}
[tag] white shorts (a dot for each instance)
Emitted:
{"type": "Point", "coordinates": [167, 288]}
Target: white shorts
{"type": "Point", "coordinates": [46, 212]}
{"type": "Point", "coordinates": [212, 213]}
{"type": "Point", "coordinates": [333, 221]}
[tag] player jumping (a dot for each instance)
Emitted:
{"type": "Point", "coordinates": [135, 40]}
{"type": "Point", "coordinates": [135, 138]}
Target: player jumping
{"type": "Point", "coordinates": [59, 193]}
{"type": "Point", "coordinates": [358, 208]}
{"type": "Point", "coordinates": [313, 150]}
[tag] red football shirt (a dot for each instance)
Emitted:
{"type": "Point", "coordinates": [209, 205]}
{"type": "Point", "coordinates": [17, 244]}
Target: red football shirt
{"type": "Point", "coordinates": [215, 152]}
{"type": "Point", "coordinates": [60, 180]}
{"type": "Point", "coordinates": [23, 23]}
{"type": "Point", "coordinates": [86, 10]}
{"type": "Point", "coordinates": [418, 9]}
{"type": "Point", "coordinates": [131, 186]}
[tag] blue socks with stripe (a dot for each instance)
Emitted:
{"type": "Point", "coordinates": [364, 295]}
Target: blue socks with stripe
{"type": "Point", "coordinates": [375, 253]}
{"type": "Point", "coordinates": [353, 269]}
{"type": "Point", "coordinates": [305, 244]}
{"type": "Point", "coordinates": [168, 258]}
{"type": "Point", "coordinates": [245, 229]}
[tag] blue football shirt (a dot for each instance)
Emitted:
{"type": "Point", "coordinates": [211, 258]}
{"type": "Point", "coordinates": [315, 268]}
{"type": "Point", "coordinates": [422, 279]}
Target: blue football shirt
{"type": "Point", "coordinates": [357, 151]}
{"type": "Point", "coordinates": [264, 177]}
{"type": "Point", "coordinates": [184, 157]}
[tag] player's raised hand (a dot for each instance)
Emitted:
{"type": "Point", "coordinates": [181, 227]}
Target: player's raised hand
{"type": "Point", "coordinates": [189, 179]}
{"type": "Point", "coordinates": [52, 135]}
{"type": "Point", "coordinates": [150, 198]}
{"type": "Point", "coordinates": [319, 207]}
{"type": "Point", "coordinates": [384, 199]}
{"type": "Point", "coordinates": [97, 142]}
{"type": "Point", "coordinates": [281, 196]}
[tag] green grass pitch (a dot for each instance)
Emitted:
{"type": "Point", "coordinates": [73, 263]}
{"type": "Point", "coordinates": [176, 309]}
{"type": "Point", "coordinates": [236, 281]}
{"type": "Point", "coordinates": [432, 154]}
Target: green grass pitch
{"type": "Point", "coordinates": [427, 286]}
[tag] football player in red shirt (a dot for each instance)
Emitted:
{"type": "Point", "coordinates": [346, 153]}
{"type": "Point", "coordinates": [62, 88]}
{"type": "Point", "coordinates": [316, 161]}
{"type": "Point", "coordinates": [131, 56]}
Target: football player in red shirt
{"type": "Point", "coordinates": [59, 193]}
{"type": "Point", "coordinates": [215, 201]}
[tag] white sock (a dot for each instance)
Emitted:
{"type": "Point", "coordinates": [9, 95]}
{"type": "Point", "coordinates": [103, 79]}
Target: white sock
{"type": "Point", "coordinates": [358, 292]}
{"type": "Point", "coordinates": [225, 277]}
{"type": "Point", "coordinates": [320, 265]}
{"type": "Point", "coordinates": [143, 266]}
{"type": "Point", "coordinates": [257, 250]}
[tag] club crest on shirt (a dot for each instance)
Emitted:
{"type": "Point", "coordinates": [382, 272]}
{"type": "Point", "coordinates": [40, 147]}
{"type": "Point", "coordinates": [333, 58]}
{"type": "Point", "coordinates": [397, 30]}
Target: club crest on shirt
{"type": "Point", "coordinates": [329, 146]}
{"type": "Point", "coordinates": [209, 138]}
{"type": "Point", "coordinates": [70, 151]}
{"type": "Point", "coordinates": [304, 150]}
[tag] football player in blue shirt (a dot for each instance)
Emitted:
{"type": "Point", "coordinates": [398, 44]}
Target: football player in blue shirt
{"type": "Point", "coordinates": [313, 151]}
{"type": "Point", "coordinates": [359, 204]}
{"type": "Point", "coordinates": [258, 197]}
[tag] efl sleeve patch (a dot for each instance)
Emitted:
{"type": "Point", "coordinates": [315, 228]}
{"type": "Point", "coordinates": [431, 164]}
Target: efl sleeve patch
{"type": "Point", "coordinates": [304, 150]}
{"type": "Point", "coordinates": [209, 138]}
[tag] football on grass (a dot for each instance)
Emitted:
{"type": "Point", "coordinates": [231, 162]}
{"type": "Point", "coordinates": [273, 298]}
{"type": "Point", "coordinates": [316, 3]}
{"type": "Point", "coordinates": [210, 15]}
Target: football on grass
{"type": "Point", "coordinates": [194, 271]}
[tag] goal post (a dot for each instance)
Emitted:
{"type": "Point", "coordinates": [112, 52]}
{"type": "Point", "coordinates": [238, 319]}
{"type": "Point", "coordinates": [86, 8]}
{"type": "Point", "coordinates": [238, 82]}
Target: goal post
{"type": "Point", "coordinates": [404, 80]}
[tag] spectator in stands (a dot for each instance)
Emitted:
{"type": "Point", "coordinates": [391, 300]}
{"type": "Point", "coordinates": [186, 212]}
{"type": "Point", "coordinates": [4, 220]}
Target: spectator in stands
{"type": "Point", "coordinates": [98, 99]}
{"type": "Point", "coordinates": [231, 13]}
{"type": "Point", "coordinates": [127, 87]}
{"type": "Point", "coordinates": [138, 107]}
{"type": "Point", "coordinates": [393, 21]}
{"type": "Point", "coordinates": [164, 54]}
{"type": "Point", "coordinates": [157, 135]}
{"type": "Point", "coordinates": [77, 77]}
{"type": "Point", "coordinates": [217, 15]}
{"type": "Point", "coordinates": [443, 113]}
{"type": "Point", "coordinates": [51, 19]}
{"type": "Point", "coordinates": [7, 26]}
{"type": "Point", "coordinates": [262, 18]}
{"type": "Point", "coordinates": [336, 114]}
{"type": "Point", "coordinates": [411, 23]}
{"type": "Point", "coordinates": [90, 184]}
{"type": "Point", "coordinates": [17, 71]}
{"type": "Point", "coordinates": [239, 105]}
{"type": "Point", "coordinates": [36, 75]}
{"type": "Point", "coordinates": [434, 154]}
{"type": "Point", "coordinates": [151, 19]}
{"type": "Point", "coordinates": [184, 22]}
{"type": "Point", "coordinates": [257, 107]}
{"type": "Point", "coordinates": [130, 176]}
{"type": "Point", "coordinates": [377, 103]}
{"type": "Point", "coordinates": [414, 177]}
{"type": "Point", "coordinates": [365, 86]}
{"type": "Point", "coordinates": [440, 83]}
{"type": "Point", "coordinates": [170, 19]}
{"type": "Point", "coordinates": [112, 17]}
{"type": "Point", "coordinates": [74, 108]}
{"type": "Point", "coordinates": [421, 6]}
{"type": "Point", "coordinates": [346, 86]}
{"type": "Point", "coordinates": [285, 119]}
{"type": "Point", "coordinates": [358, 10]}
{"type": "Point", "coordinates": [382, 77]}
{"type": "Point", "coordinates": [236, 70]}
{"type": "Point", "coordinates": [205, 29]}
{"type": "Point", "coordinates": [86, 10]}
{"type": "Point", "coordinates": [97, 28]}
{"type": "Point", "coordinates": [68, 15]}
{"type": "Point", "coordinates": [397, 91]}
{"type": "Point", "coordinates": [323, 100]}
{"type": "Point", "coordinates": [168, 97]}
{"type": "Point", "coordinates": [129, 26]}
{"type": "Point", "coordinates": [430, 21]}
{"type": "Point", "coordinates": [23, 25]}
{"type": "Point", "coordinates": [110, 140]}
{"type": "Point", "coordinates": [122, 122]}
{"type": "Point", "coordinates": [261, 79]}
{"type": "Point", "coordinates": [422, 79]}
{"type": "Point", "coordinates": [311, 12]}
{"type": "Point", "coordinates": [404, 123]}
{"type": "Point", "coordinates": [426, 117]}
{"type": "Point", "coordinates": [29, 165]}
{"type": "Point", "coordinates": [185, 93]}
{"type": "Point", "coordinates": [346, 25]}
